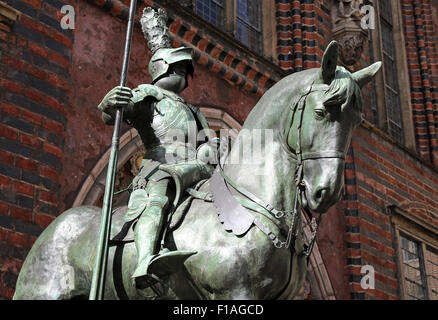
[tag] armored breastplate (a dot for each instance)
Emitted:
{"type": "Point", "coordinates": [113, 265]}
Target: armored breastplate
{"type": "Point", "coordinates": [168, 127]}
{"type": "Point", "coordinates": [173, 121]}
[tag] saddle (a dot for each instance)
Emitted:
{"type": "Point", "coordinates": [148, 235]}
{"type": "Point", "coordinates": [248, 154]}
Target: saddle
{"type": "Point", "coordinates": [123, 232]}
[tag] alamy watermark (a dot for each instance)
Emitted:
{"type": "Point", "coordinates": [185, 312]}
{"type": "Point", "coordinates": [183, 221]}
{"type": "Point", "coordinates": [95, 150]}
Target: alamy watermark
{"type": "Point", "coordinates": [368, 21]}
{"type": "Point", "coordinates": [252, 147]}
{"type": "Point", "coordinates": [68, 20]}
{"type": "Point", "coordinates": [368, 279]}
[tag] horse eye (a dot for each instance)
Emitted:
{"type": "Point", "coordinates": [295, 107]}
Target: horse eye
{"type": "Point", "coordinates": [320, 113]}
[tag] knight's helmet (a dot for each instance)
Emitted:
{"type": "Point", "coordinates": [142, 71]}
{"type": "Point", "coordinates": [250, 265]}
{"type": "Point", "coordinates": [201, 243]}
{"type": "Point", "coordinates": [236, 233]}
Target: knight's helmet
{"type": "Point", "coordinates": [156, 33]}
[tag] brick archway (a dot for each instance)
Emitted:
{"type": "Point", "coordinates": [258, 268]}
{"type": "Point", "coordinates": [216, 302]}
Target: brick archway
{"type": "Point", "coordinates": [318, 281]}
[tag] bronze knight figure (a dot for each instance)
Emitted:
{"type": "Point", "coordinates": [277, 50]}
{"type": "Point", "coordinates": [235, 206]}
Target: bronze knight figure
{"type": "Point", "coordinates": [159, 114]}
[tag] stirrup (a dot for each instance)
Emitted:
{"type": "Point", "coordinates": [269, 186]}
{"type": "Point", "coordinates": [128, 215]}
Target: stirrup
{"type": "Point", "coordinates": [146, 281]}
{"type": "Point", "coordinates": [143, 278]}
{"type": "Point", "coordinates": [168, 262]}
{"type": "Point", "coordinates": [142, 266]}
{"type": "Point", "coordinates": [158, 266]}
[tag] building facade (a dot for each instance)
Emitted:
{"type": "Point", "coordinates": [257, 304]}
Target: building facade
{"type": "Point", "coordinates": [59, 58]}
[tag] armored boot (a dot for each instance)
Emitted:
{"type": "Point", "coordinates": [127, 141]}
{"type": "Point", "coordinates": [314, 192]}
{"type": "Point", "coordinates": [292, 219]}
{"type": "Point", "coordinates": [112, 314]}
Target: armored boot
{"type": "Point", "coordinates": [147, 231]}
{"type": "Point", "coordinates": [152, 266]}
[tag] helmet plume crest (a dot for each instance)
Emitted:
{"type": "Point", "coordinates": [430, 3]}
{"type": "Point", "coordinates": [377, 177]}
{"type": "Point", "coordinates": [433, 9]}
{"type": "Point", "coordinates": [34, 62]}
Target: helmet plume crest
{"type": "Point", "coordinates": [155, 30]}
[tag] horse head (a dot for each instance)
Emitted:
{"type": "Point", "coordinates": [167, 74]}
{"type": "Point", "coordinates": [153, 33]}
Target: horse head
{"type": "Point", "coordinates": [323, 123]}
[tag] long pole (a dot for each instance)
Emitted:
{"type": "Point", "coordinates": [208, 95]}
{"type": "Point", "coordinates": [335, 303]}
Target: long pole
{"type": "Point", "coordinates": [98, 280]}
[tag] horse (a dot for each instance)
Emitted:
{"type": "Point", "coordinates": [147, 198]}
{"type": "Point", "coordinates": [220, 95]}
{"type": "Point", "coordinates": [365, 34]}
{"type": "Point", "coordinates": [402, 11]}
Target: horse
{"type": "Point", "coordinates": [309, 117]}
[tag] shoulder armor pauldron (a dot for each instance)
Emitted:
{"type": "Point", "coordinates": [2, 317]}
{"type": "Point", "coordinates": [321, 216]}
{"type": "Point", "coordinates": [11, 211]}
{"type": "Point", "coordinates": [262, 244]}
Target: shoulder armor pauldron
{"type": "Point", "coordinates": [147, 90]}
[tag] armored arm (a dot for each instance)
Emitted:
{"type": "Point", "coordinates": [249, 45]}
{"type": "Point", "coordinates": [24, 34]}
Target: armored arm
{"type": "Point", "coordinates": [132, 102]}
{"type": "Point", "coordinates": [206, 152]}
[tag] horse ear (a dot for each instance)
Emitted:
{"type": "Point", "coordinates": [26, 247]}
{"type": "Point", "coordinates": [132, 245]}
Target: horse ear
{"type": "Point", "coordinates": [329, 63]}
{"type": "Point", "coordinates": [362, 77]}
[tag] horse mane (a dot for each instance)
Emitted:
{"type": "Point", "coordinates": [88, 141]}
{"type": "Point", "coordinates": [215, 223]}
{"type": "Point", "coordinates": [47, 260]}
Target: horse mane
{"type": "Point", "coordinates": [286, 93]}
{"type": "Point", "coordinates": [344, 91]}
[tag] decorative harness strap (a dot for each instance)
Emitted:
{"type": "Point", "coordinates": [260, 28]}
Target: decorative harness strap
{"type": "Point", "coordinates": [222, 195]}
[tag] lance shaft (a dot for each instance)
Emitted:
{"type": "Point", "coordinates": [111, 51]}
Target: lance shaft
{"type": "Point", "coordinates": [99, 271]}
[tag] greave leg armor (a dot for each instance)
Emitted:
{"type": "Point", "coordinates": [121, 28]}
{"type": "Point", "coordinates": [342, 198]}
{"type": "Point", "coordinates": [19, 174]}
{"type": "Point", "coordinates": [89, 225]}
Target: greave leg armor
{"type": "Point", "coordinates": [149, 226]}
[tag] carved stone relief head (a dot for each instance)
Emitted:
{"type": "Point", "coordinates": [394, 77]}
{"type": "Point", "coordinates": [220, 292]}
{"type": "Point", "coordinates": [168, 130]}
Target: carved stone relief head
{"type": "Point", "coordinates": [347, 29]}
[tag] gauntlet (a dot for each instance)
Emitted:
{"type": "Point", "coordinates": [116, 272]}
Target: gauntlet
{"type": "Point", "coordinates": [118, 97]}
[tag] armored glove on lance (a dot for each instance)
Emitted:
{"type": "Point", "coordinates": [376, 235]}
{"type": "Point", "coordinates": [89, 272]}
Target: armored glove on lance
{"type": "Point", "coordinates": [118, 97]}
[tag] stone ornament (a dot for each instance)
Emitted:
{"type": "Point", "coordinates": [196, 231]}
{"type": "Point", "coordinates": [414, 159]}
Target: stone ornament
{"type": "Point", "coordinates": [347, 30]}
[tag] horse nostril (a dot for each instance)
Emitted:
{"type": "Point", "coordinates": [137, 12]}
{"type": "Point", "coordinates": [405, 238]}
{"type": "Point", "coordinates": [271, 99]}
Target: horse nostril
{"type": "Point", "coordinates": [319, 195]}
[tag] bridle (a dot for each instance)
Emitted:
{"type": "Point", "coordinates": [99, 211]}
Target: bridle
{"type": "Point", "coordinates": [299, 158]}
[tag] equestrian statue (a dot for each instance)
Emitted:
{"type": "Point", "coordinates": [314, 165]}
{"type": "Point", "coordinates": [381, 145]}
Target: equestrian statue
{"type": "Point", "coordinates": [202, 222]}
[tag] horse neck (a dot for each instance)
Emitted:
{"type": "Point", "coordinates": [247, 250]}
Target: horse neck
{"type": "Point", "coordinates": [270, 173]}
{"type": "Point", "coordinates": [267, 171]}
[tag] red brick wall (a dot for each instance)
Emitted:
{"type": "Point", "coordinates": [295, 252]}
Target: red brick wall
{"type": "Point", "coordinates": [380, 174]}
{"type": "Point", "coordinates": [435, 13]}
{"type": "Point", "coordinates": [422, 53]}
{"type": "Point", "coordinates": [303, 32]}
{"type": "Point", "coordinates": [35, 67]}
